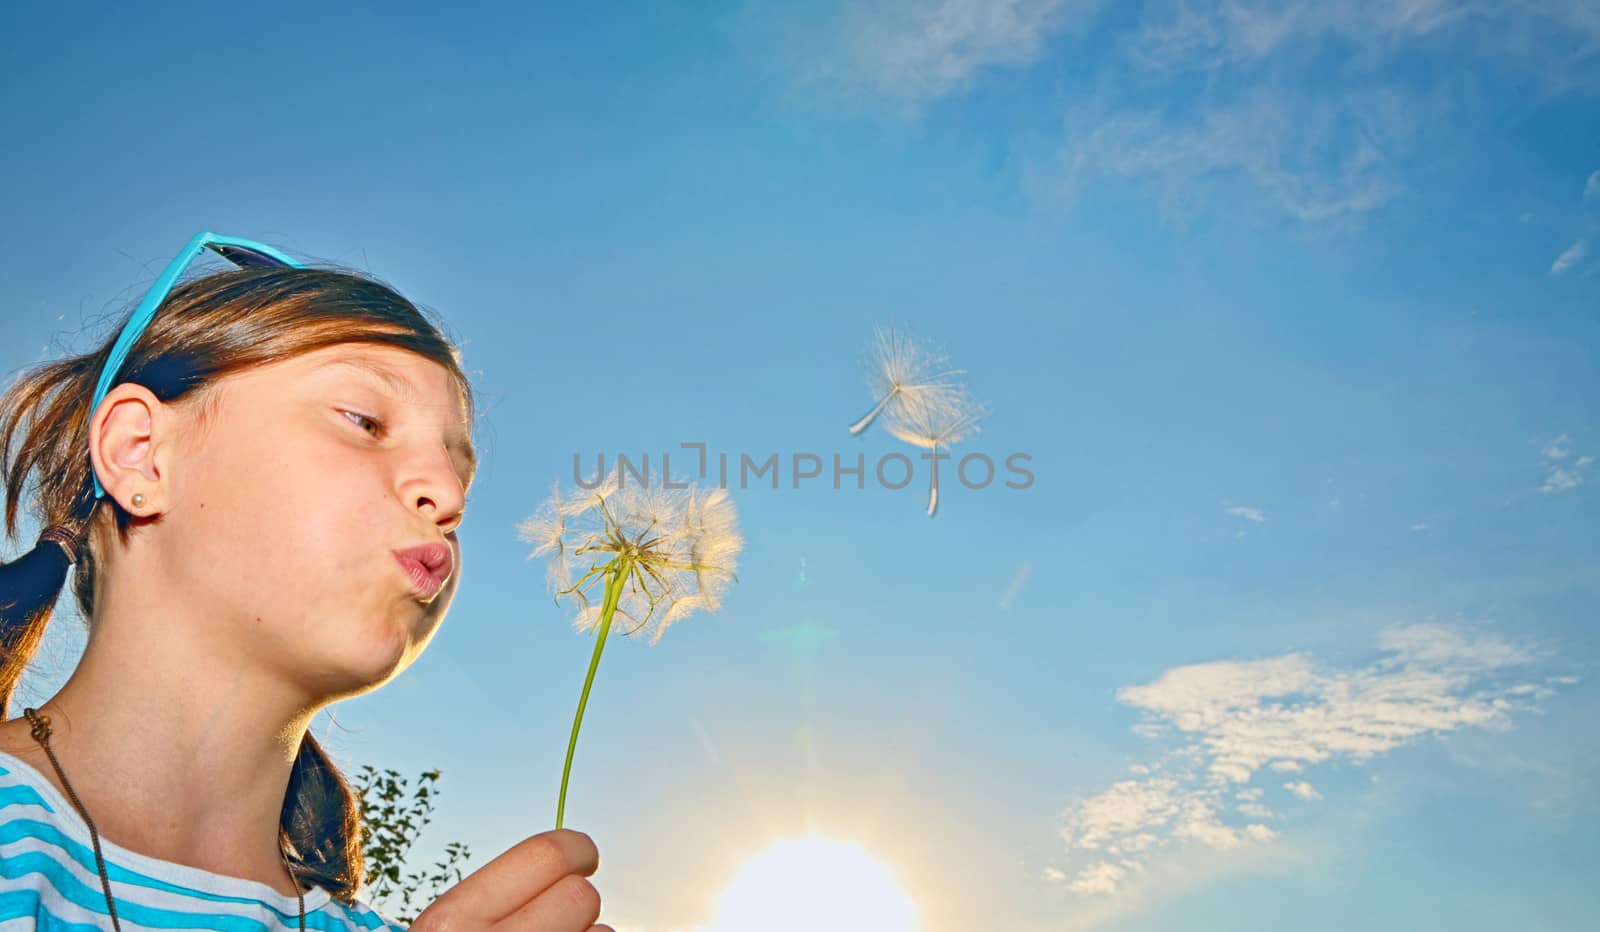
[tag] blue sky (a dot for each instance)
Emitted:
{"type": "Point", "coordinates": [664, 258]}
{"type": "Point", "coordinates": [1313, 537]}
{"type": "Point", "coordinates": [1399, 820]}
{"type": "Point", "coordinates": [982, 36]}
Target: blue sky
{"type": "Point", "coordinates": [1292, 309]}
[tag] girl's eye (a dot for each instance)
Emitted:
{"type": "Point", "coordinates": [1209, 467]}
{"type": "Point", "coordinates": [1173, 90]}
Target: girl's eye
{"type": "Point", "coordinates": [373, 421]}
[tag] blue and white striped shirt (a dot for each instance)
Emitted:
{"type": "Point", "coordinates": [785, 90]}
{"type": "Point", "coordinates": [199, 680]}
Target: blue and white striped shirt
{"type": "Point", "coordinates": [48, 878]}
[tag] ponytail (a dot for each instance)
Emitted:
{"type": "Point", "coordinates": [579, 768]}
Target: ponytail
{"type": "Point", "coordinates": [321, 814]}
{"type": "Point", "coordinates": [29, 587]}
{"type": "Point", "coordinates": [53, 398]}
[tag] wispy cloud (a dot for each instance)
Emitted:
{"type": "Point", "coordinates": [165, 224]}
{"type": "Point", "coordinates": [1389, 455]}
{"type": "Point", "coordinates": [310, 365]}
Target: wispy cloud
{"type": "Point", "coordinates": [1235, 720]}
{"type": "Point", "coordinates": [911, 52]}
{"type": "Point", "coordinates": [925, 49]}
{"type": "Point", "coordinates": [1316, 156]}
{"type": "Point", "coordinates": [1186, 34]}
{"type": "Point", "coordinates": [1249, 101]}
{"type": "Point", "coordinates": [1248, 513]}
{"type": "Point", "coordinates": [1561, 480]}
{"type": "Point", "coordinates": [1216, 33]}
{"type": "Point", "coordinates": [1578, 252]}
{"type": "Point", "coordinates": [1303, 790]}
{"type": "Point", "coordinates": [1102, 877]}
{"type": "Point", "coordinates": [1573, 255]}
{"type": "Point", "coordinates": [1245, 100]}
{"type": "Point", "coordinates": [1563, 473]}
{"type": "Point", "coordinates": [1024, 572]}
{"type": "Point", "coordinates": [1248, 803]}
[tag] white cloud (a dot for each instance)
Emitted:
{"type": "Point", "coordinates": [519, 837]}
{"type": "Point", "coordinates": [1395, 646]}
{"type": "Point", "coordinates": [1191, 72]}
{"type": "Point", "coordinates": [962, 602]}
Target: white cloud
{"type": "Point", "coordinates": [1233, 719]}
{"type": "Point", "coordinates": [1246, 104]}
{"type": "Point", "coordinates": [1250, 803]}
{"type": "Point", "coordinates": [1433, 646]}
{"type": "Point", "coordinates": [1303, 790]}
{"type": "Point", "coordinates": [1563, 478]}
{"type": "Point", "coordinates": [1208, 34]}
{"type": "Point", "coordinates": [1316, 156]}
{"type": "Point", "coordinates": [914, 52]}
{"type": "Point", "coordinates": [1199, 822]}
{"type": "Point", "coordinates": [1186, 34]}
{"type": "Point", "coordinates": [1127, 812]}
{"type": "Point", "coordinates": [1053, 874]}
{"type": "Point", "coordinates": [1100, 878]}
{"type": "Point", "coordinates": [1250, 514]}
{"type": "Point", "coordinates": [1591, 188]}
{"type": "Point", "coordinates": [921, 50]}
{"type": "Point", "coordinates": [1243, 83]}
{"type": "Point", "coordinates": [1571, 257]}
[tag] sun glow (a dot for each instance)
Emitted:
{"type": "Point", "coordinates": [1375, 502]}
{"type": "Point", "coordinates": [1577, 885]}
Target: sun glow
{"type": "Point", "coordinates": [813, 884]}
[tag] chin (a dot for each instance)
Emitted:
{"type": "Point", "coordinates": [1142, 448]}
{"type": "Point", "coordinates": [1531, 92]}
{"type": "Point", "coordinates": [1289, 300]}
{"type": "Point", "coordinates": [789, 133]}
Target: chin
{"type": "Point", "coordinates": [377, 648]}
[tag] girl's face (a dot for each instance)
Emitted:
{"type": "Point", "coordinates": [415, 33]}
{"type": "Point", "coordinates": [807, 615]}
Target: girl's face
{"type": "Point", "coordinates": [280, 516]}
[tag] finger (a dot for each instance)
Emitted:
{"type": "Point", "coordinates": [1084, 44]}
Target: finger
{"type": "Point", "coordinates": [570, 905]}
{"type": "Point", "coordinates": [518, 876]}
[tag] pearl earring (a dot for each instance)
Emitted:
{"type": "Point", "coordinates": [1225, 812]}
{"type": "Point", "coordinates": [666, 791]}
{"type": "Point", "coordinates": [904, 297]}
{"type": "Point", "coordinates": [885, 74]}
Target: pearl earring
{"type": "Point", "coordinates": [138, 500]}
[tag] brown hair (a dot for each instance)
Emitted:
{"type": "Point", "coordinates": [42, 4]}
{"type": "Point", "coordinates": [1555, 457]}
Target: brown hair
{"type": "Point", "coordinates": [206, 329]}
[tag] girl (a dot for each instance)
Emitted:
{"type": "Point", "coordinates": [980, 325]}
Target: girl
{"type": "Point", "coordinates": [258, 488]}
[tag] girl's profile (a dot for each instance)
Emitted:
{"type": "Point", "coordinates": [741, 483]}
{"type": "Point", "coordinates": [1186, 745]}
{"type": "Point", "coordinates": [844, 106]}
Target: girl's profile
{"type": "Point", "coordinates": [257, 519]}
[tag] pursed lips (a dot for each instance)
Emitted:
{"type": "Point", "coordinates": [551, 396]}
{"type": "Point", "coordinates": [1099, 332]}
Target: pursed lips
{"type": "Point", "coordinates": [428, 566]}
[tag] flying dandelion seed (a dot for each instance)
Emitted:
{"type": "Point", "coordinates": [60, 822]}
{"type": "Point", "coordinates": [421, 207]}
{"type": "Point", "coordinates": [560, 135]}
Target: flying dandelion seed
{"type": "Point", "coordinates": [903, 374]}
{"type": "Point", "coordinates": [656, 553]}
{"type": "Point", "coordinates": [932, 421]}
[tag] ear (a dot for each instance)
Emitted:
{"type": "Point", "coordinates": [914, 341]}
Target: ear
{"type": "Point", "coordinates": [130, 438]}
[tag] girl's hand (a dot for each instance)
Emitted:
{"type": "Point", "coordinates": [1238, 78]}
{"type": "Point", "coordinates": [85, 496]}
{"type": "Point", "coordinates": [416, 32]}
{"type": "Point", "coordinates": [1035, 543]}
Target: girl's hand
{"type": "Point", "coordinates": [537, 886]}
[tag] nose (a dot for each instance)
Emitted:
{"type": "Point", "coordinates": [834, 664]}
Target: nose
{"type": "Point", "coordinates": [436, 491]}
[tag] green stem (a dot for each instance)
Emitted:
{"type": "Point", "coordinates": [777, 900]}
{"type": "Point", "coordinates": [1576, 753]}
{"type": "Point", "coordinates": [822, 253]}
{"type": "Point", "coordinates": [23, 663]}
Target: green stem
{"type": "Point", "coordinates": [617, 576]}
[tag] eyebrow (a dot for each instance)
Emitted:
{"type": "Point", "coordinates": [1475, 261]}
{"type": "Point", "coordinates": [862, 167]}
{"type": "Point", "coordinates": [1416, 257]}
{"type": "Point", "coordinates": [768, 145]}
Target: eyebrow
{"type": "Point", "coordinates": [405, 388]}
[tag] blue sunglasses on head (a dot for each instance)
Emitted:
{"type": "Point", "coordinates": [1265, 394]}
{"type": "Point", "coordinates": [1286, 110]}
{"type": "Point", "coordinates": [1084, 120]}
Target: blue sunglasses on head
{"type": "Point", "coordinates": [241, 252]}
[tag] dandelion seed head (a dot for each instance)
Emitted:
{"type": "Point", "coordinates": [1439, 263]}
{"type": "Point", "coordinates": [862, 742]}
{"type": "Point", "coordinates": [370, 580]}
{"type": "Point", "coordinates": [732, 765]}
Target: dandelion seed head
{"type": "Point", "coordinates": [642, 513]}
{"type": "Point", "coordinates": [936, 420]}
{"type": "Point", "coordinates": [586, 499]}
{"type": "Point", "coordinates": [680, 544]}
{"type": "Point", "coordinates": [906, 372]}
{"type": "Point", "coordinates": [905, 365]}
{"type": "Point", "coordinates": [545, 527]}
